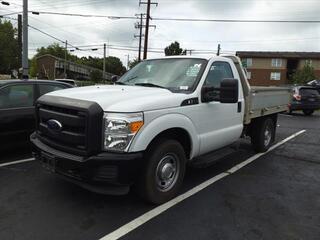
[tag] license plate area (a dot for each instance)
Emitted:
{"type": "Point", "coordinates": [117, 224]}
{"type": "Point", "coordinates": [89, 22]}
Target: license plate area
{"type": "Point", "coordinates": [49, 162]}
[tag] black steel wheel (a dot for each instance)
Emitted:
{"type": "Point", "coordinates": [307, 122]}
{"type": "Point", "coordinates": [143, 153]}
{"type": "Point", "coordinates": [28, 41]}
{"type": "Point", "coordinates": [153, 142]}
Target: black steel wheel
{"type": "Point", "coordinates": [165, 163]}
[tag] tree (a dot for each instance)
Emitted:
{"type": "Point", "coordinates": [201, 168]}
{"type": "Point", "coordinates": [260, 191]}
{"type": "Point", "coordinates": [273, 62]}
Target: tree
{"type": "Point", "coordinates": [174, 49]}
{"type": "Point", "coordinates": [56, 50]}
{"type": "Point", "coordinates": [133, 63]}
{"type": "Point", "coordinates": [91, 61]}
{"type": "Point", "coordinates": [304, 75]}
{"type": "Point", "coordinates": [115, 66]}
{"type": "Point", "coordinates": [8, 48]}
{"type": "Point", "coordinates": [95, 76]}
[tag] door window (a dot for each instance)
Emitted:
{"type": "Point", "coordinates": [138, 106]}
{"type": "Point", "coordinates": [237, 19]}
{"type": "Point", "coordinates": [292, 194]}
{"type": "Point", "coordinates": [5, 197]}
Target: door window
{"type": "Point", "coordinates": [218, 71]}
{"type": "Point", "coordinates": [17, 96]}
{"type": "Point", "coordinates": [46, 88]}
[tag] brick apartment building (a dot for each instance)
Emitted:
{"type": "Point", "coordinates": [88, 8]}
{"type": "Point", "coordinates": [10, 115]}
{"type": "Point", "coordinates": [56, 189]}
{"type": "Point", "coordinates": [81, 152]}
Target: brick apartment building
{"type": "Point", "coordinates": [51, 67]}
{"type": "Point", "coordinates": [275, 68]}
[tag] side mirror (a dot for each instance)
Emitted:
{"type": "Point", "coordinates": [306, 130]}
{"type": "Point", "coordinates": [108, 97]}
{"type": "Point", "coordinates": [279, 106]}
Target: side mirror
{"type": "Point", "coordinates": [229, 91]}
{"type": "Point", "coordinates": [114, 78]}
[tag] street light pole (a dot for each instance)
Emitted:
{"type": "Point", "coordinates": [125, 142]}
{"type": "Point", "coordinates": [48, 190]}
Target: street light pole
{"type": "Point", "coordinates": [25, 64]}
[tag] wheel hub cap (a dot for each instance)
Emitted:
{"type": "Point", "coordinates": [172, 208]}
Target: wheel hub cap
{"type": "Point", "coordinates": [167, 172]}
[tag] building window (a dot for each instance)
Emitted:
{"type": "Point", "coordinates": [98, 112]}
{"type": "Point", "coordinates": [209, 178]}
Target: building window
{"type": "Point", "coordinates": [276, 62]}
{"type": "Point", "coordinates": [275, 76]}
{"type": "Point", "coordinates": [248, 62]}
{"type": "Point", "coordinates": [308, 62]}
{"type": "Point", "coordinates": [248, 75]}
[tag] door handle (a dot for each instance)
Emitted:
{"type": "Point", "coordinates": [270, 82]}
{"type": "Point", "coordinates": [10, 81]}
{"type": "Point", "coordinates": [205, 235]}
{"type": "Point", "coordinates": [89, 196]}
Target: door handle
{"type": "Point", "coordinates": [239, 107]}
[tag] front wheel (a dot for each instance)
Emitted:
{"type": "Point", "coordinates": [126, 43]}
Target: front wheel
{"type": "Point", "coordinates": [263, 134]}
{"type": "Point", "coordinates": [164, 171]}
{"type": "Point", "coordinates": [308, 112]}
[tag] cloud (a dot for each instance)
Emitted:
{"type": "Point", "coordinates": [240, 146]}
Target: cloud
{"type": "Point", "coordinates": [191, 35]}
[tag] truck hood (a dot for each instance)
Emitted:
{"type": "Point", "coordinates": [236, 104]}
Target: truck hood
{"type": "Point", "coordinates": [117, 98]}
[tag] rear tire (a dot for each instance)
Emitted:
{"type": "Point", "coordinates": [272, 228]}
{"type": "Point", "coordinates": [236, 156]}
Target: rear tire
{"type": "Point", "coordinates": [263, 134]}
{"type": "Point", "coordinates": [164, 171]}
{"type": "Point", "coordinates": [308, 112]}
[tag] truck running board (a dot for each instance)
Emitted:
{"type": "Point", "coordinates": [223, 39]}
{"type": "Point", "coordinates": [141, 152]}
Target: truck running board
{"type": "Point", "coordinates": [212, 157]}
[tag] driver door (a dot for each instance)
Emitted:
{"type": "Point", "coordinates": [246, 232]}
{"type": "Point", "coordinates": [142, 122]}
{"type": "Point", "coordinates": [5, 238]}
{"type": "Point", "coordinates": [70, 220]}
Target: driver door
{"type": "Point", "coordinates": [220, 124]}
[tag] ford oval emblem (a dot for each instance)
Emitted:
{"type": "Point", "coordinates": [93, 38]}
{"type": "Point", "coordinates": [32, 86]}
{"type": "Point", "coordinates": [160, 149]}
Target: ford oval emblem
{"type": "Point", "coordinates": [54, 125]}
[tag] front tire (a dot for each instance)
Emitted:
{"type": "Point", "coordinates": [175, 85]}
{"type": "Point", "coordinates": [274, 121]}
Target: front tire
{"type": "Point", "coordinates": [308, 112]}
{"type": "Point", "coordinates": [164, 171]}
{"type": "Point", "coordinates": [263, 134]}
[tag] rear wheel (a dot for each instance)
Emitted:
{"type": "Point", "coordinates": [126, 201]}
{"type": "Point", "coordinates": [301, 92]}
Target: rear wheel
{"type": "Point", "coordinates": [308, 112]}
{"type": "Point", "coordinates": [164, 171]}
{"type": "Point", "coordinates": [263, 134]}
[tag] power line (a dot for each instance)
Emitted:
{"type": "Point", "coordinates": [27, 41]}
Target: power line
{"type": "Point", "coordinates": [47, 34]}
{"type": "Point", "coordinates": [178, 19]}
{"type": "Point", "coordinates": [224, 42]}
{"type": "Point", "coordinates": [83, 15]}
{"type": "Point", "coordinates": [233, 20]}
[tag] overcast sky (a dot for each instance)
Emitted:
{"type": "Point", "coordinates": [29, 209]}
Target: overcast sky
{"type": "Point", "coordinates": [191, 35]}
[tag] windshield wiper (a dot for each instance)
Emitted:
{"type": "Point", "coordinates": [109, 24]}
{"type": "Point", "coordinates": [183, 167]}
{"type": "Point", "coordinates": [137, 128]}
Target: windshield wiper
{"type": "Point", "coordinates": [130, 79]}
{"type": "Point", "coordinates": [120, 83]}
{"type": "Point", "coordinates": [148, 85]}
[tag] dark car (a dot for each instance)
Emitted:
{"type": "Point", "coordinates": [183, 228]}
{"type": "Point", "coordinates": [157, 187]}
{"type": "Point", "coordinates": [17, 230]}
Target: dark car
{"type": "Point", "coordinates": [17, 98]}
{"type": "Point", "coordinates": [315, 83]}
{"type": "Point", "coordinates": [305, 98]}
{"type": "Point", "coordinates": [69, 81]}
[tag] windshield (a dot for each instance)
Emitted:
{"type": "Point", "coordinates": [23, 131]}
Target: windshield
{"type": "Point", "coordinates": [179, 74]}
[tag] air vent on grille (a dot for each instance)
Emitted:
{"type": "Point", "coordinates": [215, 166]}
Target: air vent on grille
{"type": "Point", "coordinates": [72, 136]}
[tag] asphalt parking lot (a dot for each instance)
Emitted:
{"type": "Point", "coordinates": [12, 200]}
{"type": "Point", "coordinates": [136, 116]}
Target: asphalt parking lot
{"type": "Point", "coordinates": [275, 197]}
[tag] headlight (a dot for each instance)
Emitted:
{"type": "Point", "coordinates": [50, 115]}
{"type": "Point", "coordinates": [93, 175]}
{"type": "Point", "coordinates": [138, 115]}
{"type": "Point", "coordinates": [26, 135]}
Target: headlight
{"type": "Point", "coordinates": [120, 130]}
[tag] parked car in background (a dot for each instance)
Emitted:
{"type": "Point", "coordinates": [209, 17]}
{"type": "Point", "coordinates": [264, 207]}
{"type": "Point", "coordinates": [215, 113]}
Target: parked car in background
{"type": "Point", "coordinates": [69, 81]}
{"type": "Point", "coordinates": [305, 98]}
{"type": "Point", "coordinates": [315, 83]}
{"type": "Point", "coordinates": [17, 114]}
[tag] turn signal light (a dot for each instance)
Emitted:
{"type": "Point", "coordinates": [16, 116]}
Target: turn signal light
{"type": "Point", "coordinates": [135, 126]}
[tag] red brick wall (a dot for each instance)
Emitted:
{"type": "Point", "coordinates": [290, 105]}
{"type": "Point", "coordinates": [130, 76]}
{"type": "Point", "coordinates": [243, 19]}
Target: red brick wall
{"type": "Point", "coordinates": [261, 77]}
{"type": "Point", "coordinates": [45, 65]}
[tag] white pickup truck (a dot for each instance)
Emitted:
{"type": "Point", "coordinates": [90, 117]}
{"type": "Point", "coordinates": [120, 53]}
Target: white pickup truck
{"type": "Point", "coordinates": [160, 116]}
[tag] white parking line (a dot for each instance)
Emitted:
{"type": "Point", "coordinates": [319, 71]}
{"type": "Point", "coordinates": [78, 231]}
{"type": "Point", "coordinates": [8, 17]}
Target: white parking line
{"type": "Point", "coordinates": [125, 229]}
{"type": "Point", "coordinates": [17, 162]}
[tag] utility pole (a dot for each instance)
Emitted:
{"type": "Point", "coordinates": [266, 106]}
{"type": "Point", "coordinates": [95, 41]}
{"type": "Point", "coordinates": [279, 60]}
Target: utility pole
{"type": "Point", "coordinates": [146, 38]}
{"type": "Point", "coordinates": [140, 26]}
{"type": "Point", "coordinates": [104, 61]}
{"type": "Point", "coordinates": [25, 64]}
{"type": "Point", "coordinates": [65, 60]}
{"type": "Point", "coordinates": [20, 41]}
{"type": "Point", "coordinates": [128, 60]}
{"type": "Point", "coordinates": [218, 51]}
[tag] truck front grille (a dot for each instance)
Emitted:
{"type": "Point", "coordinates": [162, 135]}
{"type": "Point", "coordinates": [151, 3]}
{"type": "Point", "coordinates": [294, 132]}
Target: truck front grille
{"type": "Point", "coordinates": [80, 131]}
